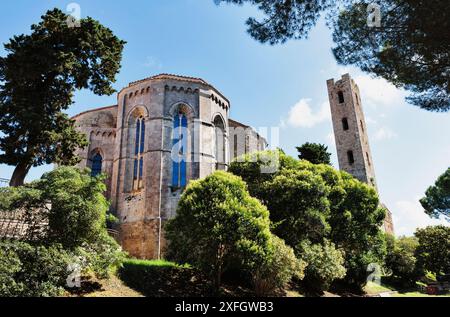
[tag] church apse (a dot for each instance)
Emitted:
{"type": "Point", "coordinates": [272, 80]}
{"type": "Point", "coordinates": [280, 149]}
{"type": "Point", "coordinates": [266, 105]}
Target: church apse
{"type": "Point", "coordinates": [165, 131]}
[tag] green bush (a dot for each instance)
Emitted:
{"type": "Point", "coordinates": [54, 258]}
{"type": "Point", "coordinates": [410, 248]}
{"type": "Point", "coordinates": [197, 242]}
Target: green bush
{"type": "Point", "coordinates": [68, 199]}
{"type": "Point", "coordinates": [325, 264]}
{"type": "Point", "coordinates": [279, 269]}
{"type": "Point", "coordinates": [33, 271]}
{"type": "Point", "coordinates": [401, 261]}
{"type": "Point", "coordinates": [101, 257]}
{"type": "Point", "coordinates": [315, 202]}
{"type": "Point", "coordinates": [161, 278]}
{"type": "Point", "coordinates": [433, 251]}
{"type": "Point", "coordinates": [217, 223]}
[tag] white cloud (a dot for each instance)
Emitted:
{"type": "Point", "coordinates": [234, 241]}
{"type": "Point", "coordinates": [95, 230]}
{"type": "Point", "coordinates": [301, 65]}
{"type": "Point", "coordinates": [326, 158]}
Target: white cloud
{"type": "Point", "coordinates": [379, 92]}
{"type": "Point", "coordinates": [375, 92]}
{"type": "Point", "coordinates": [371, 121]}
{"type": "Point", "coordinates": [331, 140]}
{"type": "Point", "coordinates": [153, 62]}
{"type": "Point", "coordinates": [409, 215]}
{"type": "Point", "coordinates": [384, 133]}
{"type": "Point", "coordinates": [303, 115]}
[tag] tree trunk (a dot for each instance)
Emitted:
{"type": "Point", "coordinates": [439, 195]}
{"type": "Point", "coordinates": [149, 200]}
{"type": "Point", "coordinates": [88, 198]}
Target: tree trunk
{"type": "Point", "coordinates": [20, 172]}
{"type": "Point", "coordinates": [218, 280]}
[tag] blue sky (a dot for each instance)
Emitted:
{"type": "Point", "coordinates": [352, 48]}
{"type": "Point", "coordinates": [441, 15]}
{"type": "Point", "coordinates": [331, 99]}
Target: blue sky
{"type": "Point", "coordinates": [269, 86]}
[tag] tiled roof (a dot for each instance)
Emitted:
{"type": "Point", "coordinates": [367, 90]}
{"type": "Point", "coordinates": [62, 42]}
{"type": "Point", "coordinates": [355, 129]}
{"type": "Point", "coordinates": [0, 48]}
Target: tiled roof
{"type": "Point", "coordinates": [173, 77]}
{"type": "Point", "coordinates": [179, 78]}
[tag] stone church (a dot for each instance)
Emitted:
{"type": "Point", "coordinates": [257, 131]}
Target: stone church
{"type": "Point", "coordinates": [167, 130]}
{"type": "Point", "coordinates": [164, 131]}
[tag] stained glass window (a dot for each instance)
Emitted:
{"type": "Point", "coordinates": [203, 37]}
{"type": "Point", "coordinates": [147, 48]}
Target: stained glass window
{"type": "Point", "coordinates": [97, 162]}
{"type": "Point", "coordinates": [179, 151]}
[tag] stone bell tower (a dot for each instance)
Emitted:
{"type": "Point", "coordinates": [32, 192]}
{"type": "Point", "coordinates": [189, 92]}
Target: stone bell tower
{"type": "Point", "coordinates": [352, 141]}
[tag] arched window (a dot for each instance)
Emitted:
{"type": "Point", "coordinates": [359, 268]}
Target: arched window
{"type": "Point", "coordinates": [247, 144]}
{"type": "Point", "coordinates": [351, 158]}
{"type": "Point", "coordinates": [341, 97]}
{"type": "Point", "coordinates": [235, 145]}
{"type": "Point", "coordinates": [97, 162]}
{"type": "Point", "coordinates": [220, 142]}
{"type": "Point", "coordinates": [139, 147]}
{"type": "Point", "coordinates": [179, 150]}
{"type": "Point", "coordinates": [345, 124]}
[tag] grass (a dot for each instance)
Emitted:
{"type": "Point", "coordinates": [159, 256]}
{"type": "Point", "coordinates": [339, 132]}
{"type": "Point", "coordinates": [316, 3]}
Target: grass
{"type": "Point", "coordinates": [160, 278]}
{"type": "Point", "coordinates": [155, 263]}
{"type": "Point", "coordinates": [417, 294]}
{"type": "Point", "coordinates": [373, 288]}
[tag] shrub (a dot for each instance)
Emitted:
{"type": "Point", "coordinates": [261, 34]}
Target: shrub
{"type": "Point", "coordinates": [161, 278]}
{"type": "Point", "coordinates": [101, 257]}
{"type": "Point", "coordinates": [279, 269]}
{"type": "Point", "coordinates": [315, 202]}
{"type": "Point", "coordinates": [325, 264]}
{"type": "Point", "coordinates": [67, 207]}
{"type": "Point", "coordinates": [33, 271]}
{"type": "Point", "coordinates": [401, 261]}
{"type": "Point", "coordinates": [217, 223]}
{"type": "Point", "coordinates": [433, 251]}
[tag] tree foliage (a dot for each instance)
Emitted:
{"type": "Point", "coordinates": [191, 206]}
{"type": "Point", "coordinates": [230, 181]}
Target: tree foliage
{"type": "Point", "coordinates": [410, 48]}
{"type": "Point", "coordinates": [218, 223]}
{"type": "Point", "coordinates": [279, 269]}
{"type": "Point", "coordinates": [66, 206]}
{"type": "Point", "coordinates": [401, 260]}
{"type": "Point", "coordinates": [325, 264]}
{"type": "Point", "coordinates": [38, 78]}
{"type": "Point", "coordinates": [313, 202]}
{"type": "Point", "coordinates": [355, 227]}
{"type": "Point", "coordinates": [314, 153]}
{"type": "Point", "coordinates": [433, 252]}
{"type": "Point", "coordinates": [33, 271]}
{"type": "Point", "coordinates": [283, 20]}
{"type": "Point", "coordinates": [437, 198]}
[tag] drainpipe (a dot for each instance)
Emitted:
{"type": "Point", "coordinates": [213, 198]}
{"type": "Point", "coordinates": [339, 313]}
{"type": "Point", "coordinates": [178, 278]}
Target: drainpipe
{"type": "Point", "coordinates": [161, 183]}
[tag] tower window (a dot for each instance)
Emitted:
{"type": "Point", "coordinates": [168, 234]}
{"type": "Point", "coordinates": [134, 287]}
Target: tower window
{"type": "Point", "coordinates": [351, 158]}
{"type": "Point", "coordinates": [97, 162]}
{"type": "Point", "coordinates": [341, 97]}
{"type": "Point", "coordinates": [179, 150]}
{"type": "Point", "coordinates": [368, 158]}
{"type": "Point", "coordinates": [362, 125]}
{"type": "Point", "coordinates": [138, 171]}
{"type": "Point", "coordinates": [345, 124]}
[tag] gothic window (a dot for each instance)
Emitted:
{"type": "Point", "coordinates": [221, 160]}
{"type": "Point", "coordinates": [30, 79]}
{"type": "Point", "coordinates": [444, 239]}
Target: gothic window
{"type": "Point", "coordinates": [235, 145]}
{"type": "Point", "coordinates": [345, 124]}
{"type": "Point", "coordinates": [350, 157]}
{"type": "Point", "coordinates": [97, 162]}
{"type": "Point", "coordinates": [220, 142]}
{"type": "Point", "coordinates": [341, 97]}
{"type": "Point", "coordinates": [179, 150]}
{"type": "Point", "coordinates": [247, 144]}
{"type": "Point", "coordinates": [139, 147]}
{"type": "Point", "coordinates": [368, 158]}
{"type": "Point", "coordinates": [362, 126]}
